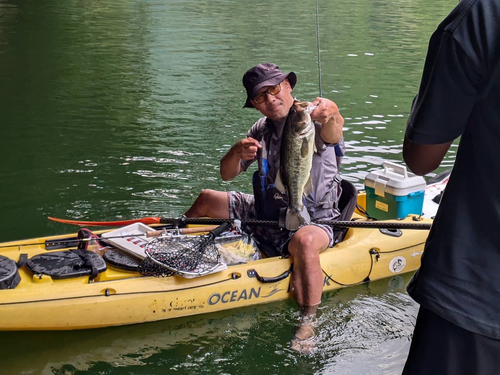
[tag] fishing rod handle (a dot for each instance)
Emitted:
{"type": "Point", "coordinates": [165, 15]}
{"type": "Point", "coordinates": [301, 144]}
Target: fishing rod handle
{"type": "Point", "coordinates": [157, 233]}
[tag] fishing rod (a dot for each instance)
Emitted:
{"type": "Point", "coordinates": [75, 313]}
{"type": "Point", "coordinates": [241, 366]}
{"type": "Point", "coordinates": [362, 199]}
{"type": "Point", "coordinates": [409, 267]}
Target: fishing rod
{"type": "Point", "coordinates": [317, 39]}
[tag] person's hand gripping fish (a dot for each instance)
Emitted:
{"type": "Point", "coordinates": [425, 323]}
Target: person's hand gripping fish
{"type": "Point", "coordinates": [327, 113]}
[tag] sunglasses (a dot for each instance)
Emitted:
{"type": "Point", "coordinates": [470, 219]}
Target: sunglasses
{"type": "Point", "coordinates": [273, 90]}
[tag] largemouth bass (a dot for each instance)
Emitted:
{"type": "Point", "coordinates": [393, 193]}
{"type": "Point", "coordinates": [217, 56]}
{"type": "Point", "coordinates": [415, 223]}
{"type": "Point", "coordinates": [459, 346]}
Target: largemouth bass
{"type": "Point", "coordinates": [294, 175]}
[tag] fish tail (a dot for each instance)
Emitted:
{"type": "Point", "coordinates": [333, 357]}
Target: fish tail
{"type": "Point", "coordinates": [296, 218]}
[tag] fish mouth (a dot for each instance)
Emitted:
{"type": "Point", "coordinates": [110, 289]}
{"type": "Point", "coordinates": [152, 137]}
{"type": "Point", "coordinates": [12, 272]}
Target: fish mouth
{"type": "Point", "coordinates": [307, 131]}
{"type": "Point", "coordinates": [310, 108]}
{"type": "Point", "coordinates": [305, 134]}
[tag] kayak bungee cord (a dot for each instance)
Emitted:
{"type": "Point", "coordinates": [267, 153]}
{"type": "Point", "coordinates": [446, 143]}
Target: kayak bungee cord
{"type": "Point", "coordinates": [373, 252]}
{"type": "Point", "coordinates": [334, 223]}
{"type": "Point", "coordinates": [182, 221]}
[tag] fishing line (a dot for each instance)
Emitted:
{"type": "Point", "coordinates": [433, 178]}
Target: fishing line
{"type": "Point", "coordinates": [317, 38]}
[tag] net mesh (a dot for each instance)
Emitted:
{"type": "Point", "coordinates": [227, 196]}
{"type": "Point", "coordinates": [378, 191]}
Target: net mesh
{"type": "Point", "coordinates": [182, 255]}
{"type": "Point", "coordinates": [149, 268]}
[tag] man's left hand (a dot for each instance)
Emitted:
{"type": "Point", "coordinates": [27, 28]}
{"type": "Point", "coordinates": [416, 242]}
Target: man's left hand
{"type": "Point", "coordinates": [325, 110]}
{"type": "Point", "coordinates": [327, 113]}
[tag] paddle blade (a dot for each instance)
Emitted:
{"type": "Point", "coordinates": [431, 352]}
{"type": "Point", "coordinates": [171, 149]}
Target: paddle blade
{"type": "Point", "coordinates": [144, 220]}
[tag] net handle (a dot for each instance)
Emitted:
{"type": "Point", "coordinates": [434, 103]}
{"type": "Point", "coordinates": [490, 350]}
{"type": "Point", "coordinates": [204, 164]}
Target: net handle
{"type": "Point", "coordinates": [220, 229]}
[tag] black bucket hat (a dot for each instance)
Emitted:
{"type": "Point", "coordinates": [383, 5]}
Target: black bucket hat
{"type": "Point", "coordinates": [266, 74]}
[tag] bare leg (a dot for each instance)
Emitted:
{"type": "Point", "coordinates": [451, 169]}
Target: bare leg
{"type": "Point", "coordinates": [307, 276]}
{"type": "Point", "coordinates": [210, 203]}
{"type": "Point", "coordinates": [307, 281]}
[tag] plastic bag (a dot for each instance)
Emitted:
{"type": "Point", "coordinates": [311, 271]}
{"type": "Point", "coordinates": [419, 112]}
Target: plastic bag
{"type": "Point", "coordinates": [237, 248]}
{"type": "Point", "coordinates": [92, 242]}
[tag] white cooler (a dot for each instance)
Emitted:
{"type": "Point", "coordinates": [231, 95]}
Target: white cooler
{"type": "Point", "coordinates": [393, 193]}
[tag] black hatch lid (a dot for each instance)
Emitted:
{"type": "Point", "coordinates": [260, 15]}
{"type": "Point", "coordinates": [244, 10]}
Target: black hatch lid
{"type": "Point", "coordinates": [9, 275]}
{"type": "Point", "coordinates": [67, 264]}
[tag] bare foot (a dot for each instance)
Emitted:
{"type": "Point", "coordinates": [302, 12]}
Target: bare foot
{"type": "Point", "coordinates": [304, 339]}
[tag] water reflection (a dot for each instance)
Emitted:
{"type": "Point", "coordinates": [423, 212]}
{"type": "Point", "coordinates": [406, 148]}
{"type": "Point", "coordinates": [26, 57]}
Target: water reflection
{"type": "Point", "coordinates": [124, 109]}
{"type": "Point", "coordinates": [361, 330]}
{"type": "Point", "coordinates": [130, 102]}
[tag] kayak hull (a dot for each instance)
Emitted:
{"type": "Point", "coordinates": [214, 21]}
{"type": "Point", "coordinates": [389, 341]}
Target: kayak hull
{"type": "Point", "coordinates": [117, 297]}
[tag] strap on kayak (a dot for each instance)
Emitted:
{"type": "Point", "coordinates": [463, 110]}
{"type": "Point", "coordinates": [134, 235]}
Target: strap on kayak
{"type": "Point", "coordinates": [267, 280]}
{"type": "Point", "coordinates": [88, 262]}
{"type": "Point", "coordinates": [23, 258]}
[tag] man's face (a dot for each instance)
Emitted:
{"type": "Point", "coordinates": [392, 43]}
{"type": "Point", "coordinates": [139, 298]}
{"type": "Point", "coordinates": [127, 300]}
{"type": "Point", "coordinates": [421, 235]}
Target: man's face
{"type": "Point", "coordinates": [276, 107]}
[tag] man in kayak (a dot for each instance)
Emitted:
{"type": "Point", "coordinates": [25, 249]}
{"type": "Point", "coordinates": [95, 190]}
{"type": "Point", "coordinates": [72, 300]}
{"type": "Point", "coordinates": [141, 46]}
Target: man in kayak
{"type": "Point", "coordinates": [269, 90]}
{"type": "Point", "coordinates": [458, 284]}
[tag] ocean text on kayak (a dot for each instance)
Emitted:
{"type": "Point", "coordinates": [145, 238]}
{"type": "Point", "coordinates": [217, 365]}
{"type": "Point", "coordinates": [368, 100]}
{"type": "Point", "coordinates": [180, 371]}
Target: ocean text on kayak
{"type": "Point", "coordinates": [234, 296]}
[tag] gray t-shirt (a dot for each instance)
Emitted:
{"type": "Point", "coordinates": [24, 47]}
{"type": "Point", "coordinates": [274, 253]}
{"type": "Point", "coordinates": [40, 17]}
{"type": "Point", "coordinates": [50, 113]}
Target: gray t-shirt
{"type": "Point", "coordinates": [322, 202]}
{"type": "Point", "coordinates": [460, 95]}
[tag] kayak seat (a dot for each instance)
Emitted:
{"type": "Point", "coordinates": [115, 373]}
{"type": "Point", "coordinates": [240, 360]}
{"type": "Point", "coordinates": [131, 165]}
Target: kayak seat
{"type": "Point", "coordinates": [347, 205]}
{"type": "Point", "coordinates": [67, 264]}
{"type": "Point", "coordinates": [121, 260]}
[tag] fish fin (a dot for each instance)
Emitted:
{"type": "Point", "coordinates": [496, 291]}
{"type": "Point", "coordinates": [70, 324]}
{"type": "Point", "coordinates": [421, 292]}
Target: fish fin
{"type": "Point", "coordinates": [309, 187]}
{"type": "Point", "coordinates": [304, 150]}
{"type": "Point", "coordinates": [295, 218]}
{"type": "Point", "coordinates": [315, 149]}
{"type": "Point", "coordinates": [279, 183]}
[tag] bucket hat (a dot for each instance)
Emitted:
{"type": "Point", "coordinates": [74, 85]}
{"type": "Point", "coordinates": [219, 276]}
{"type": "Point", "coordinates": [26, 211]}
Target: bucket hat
{"type": "Point", "coordinates": [262, 75]}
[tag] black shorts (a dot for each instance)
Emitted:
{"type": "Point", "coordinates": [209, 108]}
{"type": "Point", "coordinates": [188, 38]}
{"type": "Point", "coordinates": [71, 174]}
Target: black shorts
{"type": "Point", "coordinates": [441, 348]}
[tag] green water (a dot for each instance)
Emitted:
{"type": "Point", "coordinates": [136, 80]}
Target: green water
{"type": "Point", "coordinates": [123, 109]}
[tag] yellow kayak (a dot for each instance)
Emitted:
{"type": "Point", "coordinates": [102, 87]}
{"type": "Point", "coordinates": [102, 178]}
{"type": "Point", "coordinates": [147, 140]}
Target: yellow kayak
{"type": "Point", "coordinates": [120, 296]}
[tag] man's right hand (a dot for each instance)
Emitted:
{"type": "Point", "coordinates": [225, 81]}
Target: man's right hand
{"type": "Point", "coordinates": [247, 148]}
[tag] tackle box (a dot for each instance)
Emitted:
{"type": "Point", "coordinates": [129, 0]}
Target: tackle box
{"type": "Point", "coordinates": [393, 193]}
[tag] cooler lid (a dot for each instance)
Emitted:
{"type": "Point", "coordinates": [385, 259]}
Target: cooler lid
{"type": "Point", "coordinates": [394, 179]}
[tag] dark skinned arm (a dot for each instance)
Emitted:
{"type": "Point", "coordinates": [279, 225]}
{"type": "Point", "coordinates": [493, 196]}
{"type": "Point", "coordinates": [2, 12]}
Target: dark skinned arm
{"type": "Point", "coordinates": [422, 159]}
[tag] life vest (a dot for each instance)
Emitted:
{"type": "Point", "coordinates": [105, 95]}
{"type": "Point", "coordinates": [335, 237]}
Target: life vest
{"type": "Point", "coordinates": [269, 201]}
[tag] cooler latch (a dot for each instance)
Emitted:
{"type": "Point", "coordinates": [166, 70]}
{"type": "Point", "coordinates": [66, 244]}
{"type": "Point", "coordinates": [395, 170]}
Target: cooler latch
{"type": "Point", "coordinates": [379, 186]}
